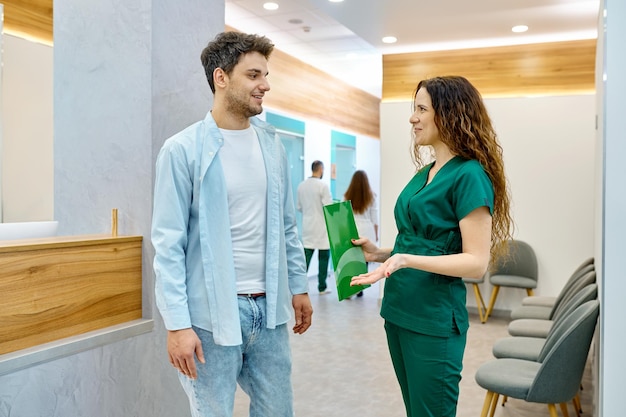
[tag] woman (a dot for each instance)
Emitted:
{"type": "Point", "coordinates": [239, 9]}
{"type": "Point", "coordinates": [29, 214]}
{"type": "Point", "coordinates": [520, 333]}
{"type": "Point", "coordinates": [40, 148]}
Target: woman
{"type": "Point", "coordinates": [363, 201]}
{"type": "Point", "coordinates": [452, 218]}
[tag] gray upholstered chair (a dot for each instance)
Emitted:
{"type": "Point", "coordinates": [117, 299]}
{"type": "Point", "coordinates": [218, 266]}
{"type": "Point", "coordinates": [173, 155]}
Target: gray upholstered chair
{"type": "Point", "coordinates": [584, 277]}
{"type": "Point", "coordinates": [480, 302]}
{"type": "Point", "coordinates": [548, 301]}
{"type": "Point", "coordinates": [530, 348]}
{"type": "Point", "coordinates": [541, 328]}
{"type": "Point", "coordinates": [533, 348]}
{"type": "Point", "coordinates": [518, 270]}
{"type": "Point", "coordinates": [554, 378]}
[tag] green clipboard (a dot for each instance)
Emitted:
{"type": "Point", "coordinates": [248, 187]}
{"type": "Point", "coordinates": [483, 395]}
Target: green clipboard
{"type": "Point", "coordinates": [348, 260]}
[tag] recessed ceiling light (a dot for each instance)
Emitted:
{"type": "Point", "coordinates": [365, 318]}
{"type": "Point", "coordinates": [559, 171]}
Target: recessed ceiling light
{"type": "Point", "coordinates": [519, 28]}
{"type": "Point", "coordinates": [390, 39]}
{"type": "Point", "coordinates": [335, 1]}
{"type": "Point", "coordinates": [270, 6]}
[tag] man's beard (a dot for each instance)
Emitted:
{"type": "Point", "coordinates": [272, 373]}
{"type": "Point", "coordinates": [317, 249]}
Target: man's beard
{"type": "Point", "coordinates": [241, 107]}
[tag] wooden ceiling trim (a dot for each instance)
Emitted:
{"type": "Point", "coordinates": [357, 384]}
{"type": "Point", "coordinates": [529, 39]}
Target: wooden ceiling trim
{"type": "Point", "coordinates": [32, 18]}
{"type": "Point", "coordinates": [555, 68]}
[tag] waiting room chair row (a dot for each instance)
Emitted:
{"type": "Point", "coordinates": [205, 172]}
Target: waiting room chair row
{"type": "Point", "coordinates": [543, 359]}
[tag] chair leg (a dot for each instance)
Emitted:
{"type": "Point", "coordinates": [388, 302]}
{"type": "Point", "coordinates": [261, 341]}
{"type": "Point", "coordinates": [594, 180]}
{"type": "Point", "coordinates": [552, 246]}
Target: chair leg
{"type": "Point", "coordinates": [552, 409]}
{"type": "Point", "coordinates": [504, 399]}
{"type": "Point", "coordinates": [494, 404]}
{"type": "Point", "coordinates": [492, 300]}
{"type": "Point", "coordinates": [564, 410]}
{"type": "Point", "coordinates": [480, 304]}
{"type": "Point", "coordinates": [487, 404]}
{"type": "Point", "coordinates": [577, 406]}
{"type": "Point", "coordinates": [530, 292]}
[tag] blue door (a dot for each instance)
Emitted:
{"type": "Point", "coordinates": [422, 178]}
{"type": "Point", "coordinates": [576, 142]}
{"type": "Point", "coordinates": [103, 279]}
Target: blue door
{"type": "Point", "coordinates": [294, 145]}
{"type": "Point", "coordinates": [345, 165]}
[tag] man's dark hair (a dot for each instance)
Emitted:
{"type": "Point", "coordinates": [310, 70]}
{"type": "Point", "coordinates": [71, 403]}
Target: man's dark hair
{"type": "Point", "coordinates": [227, 48]}
{"type": "Point", "coordinates": [316, 165]}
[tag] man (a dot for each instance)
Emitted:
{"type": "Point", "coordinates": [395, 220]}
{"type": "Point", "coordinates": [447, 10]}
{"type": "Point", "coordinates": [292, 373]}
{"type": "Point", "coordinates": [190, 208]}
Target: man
{"type": "Point", "coordinates": [229, 264]}
{"type": "Point", "coordinates": [313, 195]}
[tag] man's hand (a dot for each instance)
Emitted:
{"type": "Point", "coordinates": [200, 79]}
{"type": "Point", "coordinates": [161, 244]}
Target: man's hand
{"type": "Point", "coordinates": [303, 312]}
{"type": "Point", "coordinates": [181, 347]}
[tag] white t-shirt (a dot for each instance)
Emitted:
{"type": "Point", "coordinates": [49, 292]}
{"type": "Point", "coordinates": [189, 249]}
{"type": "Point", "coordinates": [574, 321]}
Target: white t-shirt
{"type": "Point", "coordinates": [246, 184]}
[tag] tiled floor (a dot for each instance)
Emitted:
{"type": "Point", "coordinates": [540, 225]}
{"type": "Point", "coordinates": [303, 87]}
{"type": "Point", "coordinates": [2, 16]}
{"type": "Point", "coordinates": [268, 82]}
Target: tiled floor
{"type": "Point", "coordinates": [341, 366]}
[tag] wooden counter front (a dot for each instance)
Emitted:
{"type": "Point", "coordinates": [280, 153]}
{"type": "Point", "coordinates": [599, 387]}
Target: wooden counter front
{"type": "Point", "coordinates": [53, 288]}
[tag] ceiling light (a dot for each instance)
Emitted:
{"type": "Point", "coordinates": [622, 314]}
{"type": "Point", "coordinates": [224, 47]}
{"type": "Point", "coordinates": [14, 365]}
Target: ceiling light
{"type": "Point", "coordinates": [390, 39]}
{"type": "Point", "coordinates": [335, 1]}
{"type": "Point", "coordinates": [519, 28]}
{"type": "Point", "coordinates": [270, 6]}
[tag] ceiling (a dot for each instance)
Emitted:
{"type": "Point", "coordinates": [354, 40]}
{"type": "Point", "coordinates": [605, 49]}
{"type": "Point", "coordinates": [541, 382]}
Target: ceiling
{"type": "Point", "coordinates": [345, 39]}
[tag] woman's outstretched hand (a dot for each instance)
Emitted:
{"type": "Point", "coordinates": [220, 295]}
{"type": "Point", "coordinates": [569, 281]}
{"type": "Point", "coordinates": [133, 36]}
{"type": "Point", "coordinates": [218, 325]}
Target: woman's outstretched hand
{"type": "Point", "coordinates": [369, 277]}
{"type": "Point", "coordinates": [397, 261]}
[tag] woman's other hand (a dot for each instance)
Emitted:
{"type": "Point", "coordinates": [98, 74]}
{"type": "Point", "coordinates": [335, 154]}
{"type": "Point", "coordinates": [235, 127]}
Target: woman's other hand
{"type": "Point", "coordinates": [370, 250]}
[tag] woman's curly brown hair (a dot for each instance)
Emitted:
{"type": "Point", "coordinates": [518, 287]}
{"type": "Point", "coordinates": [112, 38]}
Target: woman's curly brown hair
{"type": "Point", "coordinates": [465, 127]}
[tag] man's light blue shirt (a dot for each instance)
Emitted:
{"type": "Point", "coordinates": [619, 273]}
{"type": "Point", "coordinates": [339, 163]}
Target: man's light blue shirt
{"type": "Point", "coordinates": [195, 274]}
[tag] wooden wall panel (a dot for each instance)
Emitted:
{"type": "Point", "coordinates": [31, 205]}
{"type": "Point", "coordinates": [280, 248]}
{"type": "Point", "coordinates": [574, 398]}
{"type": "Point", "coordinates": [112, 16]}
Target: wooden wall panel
{"type": "Point", "coordinates": [64, 286]}
{"type": "Point", "coordinates": [30, 17]}
{"type": "Point", "coordinates": [554, 68]}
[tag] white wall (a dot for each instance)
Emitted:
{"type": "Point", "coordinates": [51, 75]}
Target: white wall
{"type": "Point", "coordinates": [549, 157]}
{"type": "Point", "coordinates": [548, 145]}
{"type": "Point", "coordinates": [27, 163]}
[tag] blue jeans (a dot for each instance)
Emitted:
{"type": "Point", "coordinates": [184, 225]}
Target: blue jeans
{"type": "Point", "coordinates": [261, 366]}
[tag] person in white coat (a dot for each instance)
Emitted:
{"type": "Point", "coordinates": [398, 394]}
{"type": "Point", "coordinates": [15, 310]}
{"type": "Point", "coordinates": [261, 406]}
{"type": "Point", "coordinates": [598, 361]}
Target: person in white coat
{"type": "Point", "coordinates": [313, 195]}
{"type": "Point", "coordinates": [364, 207]}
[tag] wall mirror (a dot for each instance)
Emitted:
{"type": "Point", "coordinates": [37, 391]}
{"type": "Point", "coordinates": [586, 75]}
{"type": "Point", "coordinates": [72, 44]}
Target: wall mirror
{"type": "Point", "coordinates": [26, 113]}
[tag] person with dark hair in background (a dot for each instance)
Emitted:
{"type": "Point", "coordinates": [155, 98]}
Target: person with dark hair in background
{"type": "Point", "coordinates": [452, 219]}
{"type": "Point", "coordinates": [364, 207]}
{"type": "Point", "coordinates": [313, 195]}
{"type": "Point", "coordinates": [228, 260]}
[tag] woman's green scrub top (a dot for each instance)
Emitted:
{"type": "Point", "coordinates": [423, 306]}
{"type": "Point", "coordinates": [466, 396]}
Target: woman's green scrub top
{"type": "Point", "coordinates": [427, 217]}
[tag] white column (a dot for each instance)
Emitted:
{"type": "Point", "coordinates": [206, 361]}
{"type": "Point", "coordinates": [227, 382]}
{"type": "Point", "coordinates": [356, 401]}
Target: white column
{"type": "Point", "coordinates": [612, 88]}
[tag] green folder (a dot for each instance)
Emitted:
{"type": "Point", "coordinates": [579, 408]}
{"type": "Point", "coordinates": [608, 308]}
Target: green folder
{"type": "Point", "coordinates": [348, 260]}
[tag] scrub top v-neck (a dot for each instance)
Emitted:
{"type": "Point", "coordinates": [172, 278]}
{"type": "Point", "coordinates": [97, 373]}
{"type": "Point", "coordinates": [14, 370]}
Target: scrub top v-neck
{"type": "Point", "coordinates": [427, 218]}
